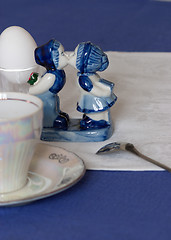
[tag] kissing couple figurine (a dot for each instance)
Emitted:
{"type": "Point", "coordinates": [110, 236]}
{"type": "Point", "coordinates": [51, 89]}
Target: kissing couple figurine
{"type": "Point", "coordinates": [96, 93]}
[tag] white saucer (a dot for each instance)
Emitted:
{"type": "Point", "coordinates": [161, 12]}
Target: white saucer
{"type": "Point", "coordinates": [52, 170]}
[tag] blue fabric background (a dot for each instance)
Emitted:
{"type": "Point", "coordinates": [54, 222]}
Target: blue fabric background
{"type": "Point", "coordinates": [122, 25]}
{"type": "Point", "coordinates": [103, 205]}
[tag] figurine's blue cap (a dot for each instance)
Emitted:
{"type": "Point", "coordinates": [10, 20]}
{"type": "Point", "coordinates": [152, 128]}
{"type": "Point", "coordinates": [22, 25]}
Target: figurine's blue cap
{"type": "Point", "coordinates": [47, 55]}
{"type": "Point", "coordinates": [90, 58]}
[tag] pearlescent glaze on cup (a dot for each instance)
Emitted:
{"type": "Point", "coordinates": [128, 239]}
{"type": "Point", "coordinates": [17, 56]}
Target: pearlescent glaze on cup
{"type": "Point", "coordinates": [20, 127]}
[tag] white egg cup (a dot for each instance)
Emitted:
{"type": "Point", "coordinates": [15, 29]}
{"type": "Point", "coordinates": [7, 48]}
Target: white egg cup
{"type": "Point", "coordinates": [17, 60]}
{"type": "Point", "coordinates": [15, 80]}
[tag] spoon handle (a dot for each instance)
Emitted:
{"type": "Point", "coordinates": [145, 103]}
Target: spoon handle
{"type": "Point", "coordinates": [130, 147]}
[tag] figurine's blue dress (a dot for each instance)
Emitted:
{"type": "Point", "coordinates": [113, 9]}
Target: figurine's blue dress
{"type": "Point", "coordinates": [90, 103]}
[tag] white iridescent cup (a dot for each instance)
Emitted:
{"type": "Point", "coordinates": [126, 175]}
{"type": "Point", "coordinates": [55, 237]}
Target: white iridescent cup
{"type": "Point", "coordinates": [20, 127]}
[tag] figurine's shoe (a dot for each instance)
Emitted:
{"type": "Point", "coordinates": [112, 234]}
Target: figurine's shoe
{"type": "Point", "coordinates": [61, 122]}
{"type": "Point", "coordinates": [64, 115]}
{"type": "Point", "coordinates": [88, 123]}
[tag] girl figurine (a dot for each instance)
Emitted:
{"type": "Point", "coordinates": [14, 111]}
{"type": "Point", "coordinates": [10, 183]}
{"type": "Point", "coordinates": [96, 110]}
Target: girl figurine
{"type": "Point", "coordinates": [96, 93]}
{"type": "Point", "coordinates": [52, 57]}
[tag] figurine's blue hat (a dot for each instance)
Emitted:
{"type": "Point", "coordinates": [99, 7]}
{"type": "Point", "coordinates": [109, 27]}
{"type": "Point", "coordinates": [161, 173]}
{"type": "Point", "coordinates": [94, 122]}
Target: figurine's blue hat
{"type": "Point", "coordinates": [47, 55]}
{"type": "Point", "coordinates": [90, 58]}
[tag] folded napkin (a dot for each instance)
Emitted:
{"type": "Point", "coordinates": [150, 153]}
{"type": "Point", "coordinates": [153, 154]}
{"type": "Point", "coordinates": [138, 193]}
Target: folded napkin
{"type": "Point", "coordinates": [142, 114]}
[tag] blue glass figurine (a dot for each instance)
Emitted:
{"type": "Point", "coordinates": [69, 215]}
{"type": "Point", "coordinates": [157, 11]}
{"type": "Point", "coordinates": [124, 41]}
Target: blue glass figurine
{"type": "Point", "coordinates": [51, 56]}
{"type": "Point", "coordinates": [96, 93]}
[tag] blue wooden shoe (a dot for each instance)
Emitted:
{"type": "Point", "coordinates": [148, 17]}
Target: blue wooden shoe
{"type": "Point", "coordinates": [61, 122]}
{"type": "Point", "coordinates": [88, 123]}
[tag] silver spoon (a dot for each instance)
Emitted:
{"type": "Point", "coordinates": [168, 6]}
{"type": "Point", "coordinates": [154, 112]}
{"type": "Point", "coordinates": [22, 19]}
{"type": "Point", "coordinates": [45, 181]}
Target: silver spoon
{"type": "Point", "coordinates": [113, 147]}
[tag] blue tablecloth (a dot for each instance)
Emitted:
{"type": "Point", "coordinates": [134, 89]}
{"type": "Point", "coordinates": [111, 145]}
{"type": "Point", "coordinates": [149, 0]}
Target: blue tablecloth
{"type": "Point", "coordinates": [103, 205]}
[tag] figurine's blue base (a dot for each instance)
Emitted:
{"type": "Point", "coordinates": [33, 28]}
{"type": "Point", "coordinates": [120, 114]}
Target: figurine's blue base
{"type": "Point", "coordinates": [75, 134]}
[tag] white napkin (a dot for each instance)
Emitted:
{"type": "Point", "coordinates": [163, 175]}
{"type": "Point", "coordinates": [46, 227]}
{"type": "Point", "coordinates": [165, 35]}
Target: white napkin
{"type": "Point", "coordinates": [142, 114]}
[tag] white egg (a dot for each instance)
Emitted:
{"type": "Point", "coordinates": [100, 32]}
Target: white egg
{"type": "Point", "coordinates": [17, 60]}
{"type": "Point", "coordinates": [16, 48]}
